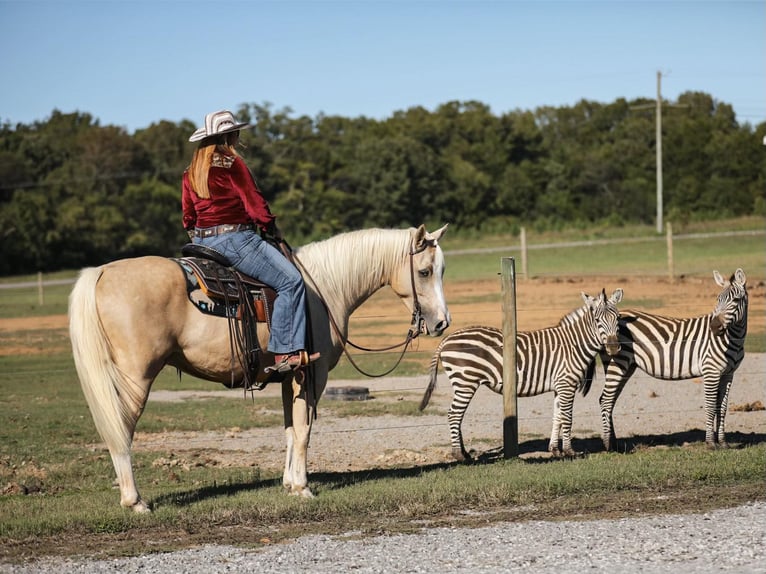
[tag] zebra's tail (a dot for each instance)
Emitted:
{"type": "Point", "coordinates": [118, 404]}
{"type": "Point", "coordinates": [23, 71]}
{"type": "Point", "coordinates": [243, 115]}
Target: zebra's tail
{"type": "Point", "coordinates": [587, 380]}
{"type": "Point", "coordinates": [433, 370]}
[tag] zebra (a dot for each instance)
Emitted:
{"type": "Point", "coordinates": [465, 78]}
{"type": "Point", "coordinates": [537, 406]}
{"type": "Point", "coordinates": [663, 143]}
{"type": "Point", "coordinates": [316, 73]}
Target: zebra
{"type": "Point", "coordinates": [551, 359]}
{"type": "Point", "coordinates": [710, 346]}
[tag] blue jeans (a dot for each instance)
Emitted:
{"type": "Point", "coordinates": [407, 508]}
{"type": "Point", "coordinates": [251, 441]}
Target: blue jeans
{"type": "Point", "coordinates": [253, 256]}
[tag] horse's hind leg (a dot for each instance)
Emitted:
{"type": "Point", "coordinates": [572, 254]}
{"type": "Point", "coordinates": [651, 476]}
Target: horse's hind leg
{"type": "Point", "coordinates": [132, 396]}
{"type": "Point", "coordinates": [129, 496]}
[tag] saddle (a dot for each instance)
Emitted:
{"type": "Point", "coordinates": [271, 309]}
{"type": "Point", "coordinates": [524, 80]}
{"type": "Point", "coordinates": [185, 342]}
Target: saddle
{"type": "Point", "coordinates": [217, 279]}
{"type": "Point", "coordinates": [216, 288]}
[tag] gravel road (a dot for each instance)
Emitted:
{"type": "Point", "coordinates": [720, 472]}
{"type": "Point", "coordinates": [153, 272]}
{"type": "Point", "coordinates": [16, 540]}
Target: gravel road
{"type": "Point", "coordinates": [730, 540]}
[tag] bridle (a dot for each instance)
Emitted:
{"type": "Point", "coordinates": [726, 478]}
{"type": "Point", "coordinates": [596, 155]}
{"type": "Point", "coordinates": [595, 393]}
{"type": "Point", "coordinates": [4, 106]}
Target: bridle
{"type": "Point", "coordinates": [417, 323]}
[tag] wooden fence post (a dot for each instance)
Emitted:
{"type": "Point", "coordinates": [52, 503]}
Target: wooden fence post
{"type": "Point", "coordinates": [669, 239]}
{"type": "Point", "coordinates": [524, 270]}
{"type": "Point", "coordinates": [40, 295]}
{"type": "Point", "coordinates": [510, 413]}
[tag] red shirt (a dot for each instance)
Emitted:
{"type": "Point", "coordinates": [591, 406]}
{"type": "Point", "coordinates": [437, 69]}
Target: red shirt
{"type": "Point", "coordinates": [234, 198]}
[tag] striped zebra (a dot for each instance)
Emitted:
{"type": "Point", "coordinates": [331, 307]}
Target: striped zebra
{"type": "Point", "coordinates": [710, 346]}
{"type": "Point", "coordinates": [553, 359]}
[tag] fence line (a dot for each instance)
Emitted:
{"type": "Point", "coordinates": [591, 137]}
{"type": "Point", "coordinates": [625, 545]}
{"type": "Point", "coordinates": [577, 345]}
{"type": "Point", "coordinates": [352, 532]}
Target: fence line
{"type": "Point", "coordinates": [523, 248]}
{"type": "Point", "coordinates": [593, 242]}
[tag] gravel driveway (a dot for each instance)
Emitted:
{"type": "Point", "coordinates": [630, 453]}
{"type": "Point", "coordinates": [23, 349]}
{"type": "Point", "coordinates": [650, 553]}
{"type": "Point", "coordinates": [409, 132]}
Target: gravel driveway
{"type": "Point", "coordinates": [731, 540]}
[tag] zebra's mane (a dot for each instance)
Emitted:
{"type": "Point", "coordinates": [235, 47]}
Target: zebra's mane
{"type": "Point", "coordinates": [573, 316]}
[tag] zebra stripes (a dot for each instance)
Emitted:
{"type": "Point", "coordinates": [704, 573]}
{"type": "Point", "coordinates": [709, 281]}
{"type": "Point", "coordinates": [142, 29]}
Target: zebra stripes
{"type": "Point", "coordinates": [710, 346]}
{"type": "Point", "coordinates": [553, 359]}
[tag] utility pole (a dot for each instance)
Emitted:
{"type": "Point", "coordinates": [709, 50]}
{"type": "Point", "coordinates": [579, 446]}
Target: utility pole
{"type": "Point", "coordinates": [658, 146]}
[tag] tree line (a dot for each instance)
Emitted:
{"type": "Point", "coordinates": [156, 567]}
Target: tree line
{"type": "Point", "coordinates": [75, 193]}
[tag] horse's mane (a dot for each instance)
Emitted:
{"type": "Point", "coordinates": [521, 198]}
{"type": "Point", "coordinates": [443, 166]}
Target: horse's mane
{"type": "Point", "coordinates": [356, 261]}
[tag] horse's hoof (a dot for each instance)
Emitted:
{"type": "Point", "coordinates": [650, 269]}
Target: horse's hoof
{"type": "Point", "coordinates": [302, 491]}
{"type": "Point", "coordinates": [141, 507]}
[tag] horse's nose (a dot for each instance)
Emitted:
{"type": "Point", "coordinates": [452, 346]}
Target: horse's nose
{"type": "Point", "coordinates": [440, 327]}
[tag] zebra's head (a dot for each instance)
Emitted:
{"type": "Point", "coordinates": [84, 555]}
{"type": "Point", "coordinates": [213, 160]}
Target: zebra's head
{"type": "Point", "coordinates": [605, 318]}
{"type": "Point", "coordinates": [731, 307]}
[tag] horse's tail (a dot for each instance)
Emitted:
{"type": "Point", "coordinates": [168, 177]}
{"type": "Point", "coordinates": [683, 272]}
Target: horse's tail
{"type": "Point", "coordinates": [433, 370]}
{"type": "Point", "coordinates": [99, 377]}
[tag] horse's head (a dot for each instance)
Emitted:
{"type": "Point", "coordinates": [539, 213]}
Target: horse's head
{"type": "Point", "coordinates": [731, 307]}
{"type": "Point", "coordinates": [605, 317]}
{"type": "Point", "coordinates": [421, 274]}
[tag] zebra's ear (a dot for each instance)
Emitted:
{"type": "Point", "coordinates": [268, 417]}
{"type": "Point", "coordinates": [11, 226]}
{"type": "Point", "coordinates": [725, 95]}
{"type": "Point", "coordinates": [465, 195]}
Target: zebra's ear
{"type": "Point", "coordinates": [718, 279]}
{"type": "Point", "coordinates": [616, 296]}
{"type": "Point", "coordinates": [589, 301]}
{"type": "Point", "coordinates": [739, 277]}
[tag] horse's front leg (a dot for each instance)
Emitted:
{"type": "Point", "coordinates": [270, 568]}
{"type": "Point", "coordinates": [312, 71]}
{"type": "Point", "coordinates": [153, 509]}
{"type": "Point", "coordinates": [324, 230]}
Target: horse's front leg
{"type": "Point", "coordinates": [297, 433]}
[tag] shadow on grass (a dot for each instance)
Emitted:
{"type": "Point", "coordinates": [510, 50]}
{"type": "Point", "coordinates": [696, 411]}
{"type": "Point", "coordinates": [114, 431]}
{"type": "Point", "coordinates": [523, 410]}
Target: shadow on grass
{"type": "Point", "coordinates": [627, 445]}
{"type": "Point", "coordinates": [326, 481]}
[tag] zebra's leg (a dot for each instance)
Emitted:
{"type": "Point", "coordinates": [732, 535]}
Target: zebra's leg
{"type": "Point", "coordinates": [723, 406]}
{"type": "Point", "coordinates": [616, 374]}
{"type": "Point", "coordinates": [711, 383]}
{"type": "Point", "coordinates": [463, 392]}
{"type": "Point", "coordinates": [553, 444]}
{"type": "Point", "coordinates": [566, 405]}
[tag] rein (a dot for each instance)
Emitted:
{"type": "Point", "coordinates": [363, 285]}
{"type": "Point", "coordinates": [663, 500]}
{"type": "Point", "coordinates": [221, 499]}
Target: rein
{"type": "Point", "coordinates": [416, 324]}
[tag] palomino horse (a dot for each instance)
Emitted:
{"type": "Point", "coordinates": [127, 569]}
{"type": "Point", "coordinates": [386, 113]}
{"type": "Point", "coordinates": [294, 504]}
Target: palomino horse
{"type": "Point", "coordinates": [124, 330]}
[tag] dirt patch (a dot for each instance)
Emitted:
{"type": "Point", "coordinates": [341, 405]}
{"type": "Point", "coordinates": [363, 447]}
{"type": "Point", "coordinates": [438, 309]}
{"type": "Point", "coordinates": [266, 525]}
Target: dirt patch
{"type": "Point", "coordinates": [649, 411]}
{"type": "Point", "coordinates": [540, 302]}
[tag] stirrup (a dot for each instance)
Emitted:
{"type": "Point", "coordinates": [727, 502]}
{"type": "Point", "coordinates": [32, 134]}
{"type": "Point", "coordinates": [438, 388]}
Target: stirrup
{"type": "Point", "coordinates": [292, 362]}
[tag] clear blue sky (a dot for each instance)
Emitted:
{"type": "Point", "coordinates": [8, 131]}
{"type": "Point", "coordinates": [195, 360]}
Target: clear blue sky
{"type": "Point", "coordinates": [133, 63]}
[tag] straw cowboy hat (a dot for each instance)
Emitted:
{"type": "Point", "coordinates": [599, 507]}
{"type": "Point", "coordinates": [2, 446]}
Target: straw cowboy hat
{"type": "Point", "coordinates": [217, 123]}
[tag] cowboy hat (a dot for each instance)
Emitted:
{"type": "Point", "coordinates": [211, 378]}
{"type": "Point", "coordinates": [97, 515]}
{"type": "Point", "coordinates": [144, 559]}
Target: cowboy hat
{"type": "Point", "coordinates": [217, 123]}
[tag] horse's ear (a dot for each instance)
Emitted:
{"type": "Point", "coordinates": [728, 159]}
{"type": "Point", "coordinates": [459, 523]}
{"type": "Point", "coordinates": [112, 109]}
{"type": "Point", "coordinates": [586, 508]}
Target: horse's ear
{"type": "Point", "coordinates": [420, 238]}
{"type": "Point", "coordinates": [437, 235]}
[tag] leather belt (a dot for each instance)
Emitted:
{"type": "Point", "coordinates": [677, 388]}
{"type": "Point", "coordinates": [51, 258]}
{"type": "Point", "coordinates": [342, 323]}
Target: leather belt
{"type": "Point", "coordinates": [221, 229]}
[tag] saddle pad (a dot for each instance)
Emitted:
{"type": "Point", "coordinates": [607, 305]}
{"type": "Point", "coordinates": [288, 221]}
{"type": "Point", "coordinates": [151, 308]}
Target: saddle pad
{"type": "Point", "coordinates": [219, 282]}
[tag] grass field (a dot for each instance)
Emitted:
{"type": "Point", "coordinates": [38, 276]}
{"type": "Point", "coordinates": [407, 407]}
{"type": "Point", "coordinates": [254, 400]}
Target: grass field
{"type": "Point", "coordinates": [56, 477]}
{"type": "Point", "coordinates": [57, 480]}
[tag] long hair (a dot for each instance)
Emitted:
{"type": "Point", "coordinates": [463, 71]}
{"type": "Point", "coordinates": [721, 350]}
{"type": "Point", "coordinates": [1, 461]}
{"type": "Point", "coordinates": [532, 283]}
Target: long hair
{"type": "Point", "coordinates": [203, 159]}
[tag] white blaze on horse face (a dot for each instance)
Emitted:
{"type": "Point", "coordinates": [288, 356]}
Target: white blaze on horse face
{"type": "Point", "coordinates": [438, 287]}
{"type": "Point", "coordinates": [439, 267]}
{"type": "Point", "coordinates": [428, 269]}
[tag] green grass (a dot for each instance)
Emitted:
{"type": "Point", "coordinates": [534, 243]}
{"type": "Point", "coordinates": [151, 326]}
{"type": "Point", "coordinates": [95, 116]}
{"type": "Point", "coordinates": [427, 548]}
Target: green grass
{"type": "Point", "coordinates": [25, 302]}
{"type": "Point", "coordinates": [62, 476]}
{"type": "Point", "coordinates": [691, 257]}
